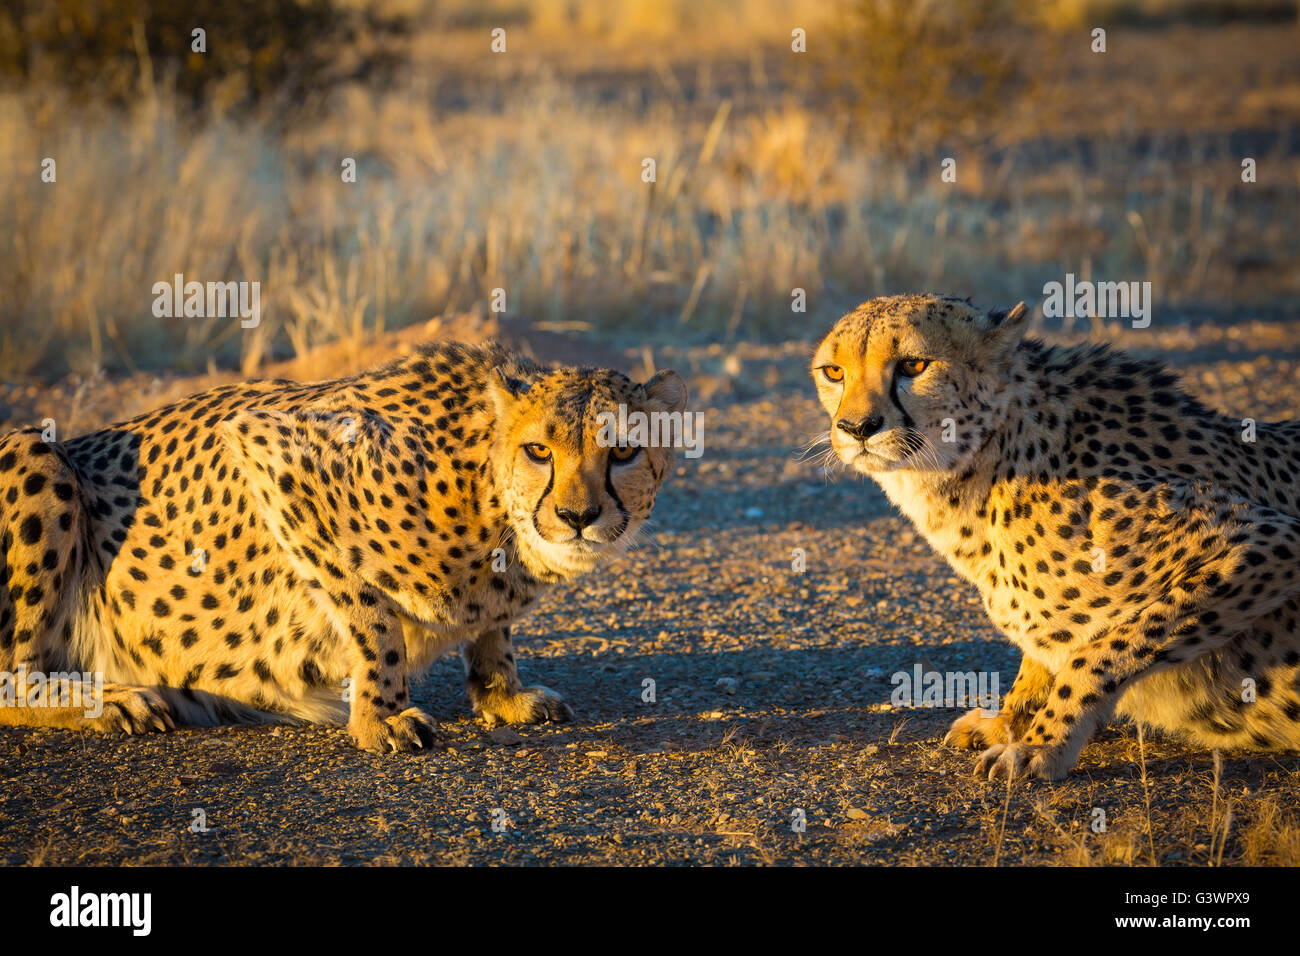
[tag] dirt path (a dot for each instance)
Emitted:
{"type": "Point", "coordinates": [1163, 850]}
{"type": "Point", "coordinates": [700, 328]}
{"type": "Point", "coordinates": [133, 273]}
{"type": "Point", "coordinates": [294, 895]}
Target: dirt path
{"type": "Point", "coordinates": [771, 705]}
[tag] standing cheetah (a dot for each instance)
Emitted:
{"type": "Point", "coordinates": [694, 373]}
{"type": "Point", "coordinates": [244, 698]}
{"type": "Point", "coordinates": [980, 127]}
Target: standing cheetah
{"type": "Point", "coordinates": [1140, 552]}
{"type": "Point", "coordinates": [245, 553]}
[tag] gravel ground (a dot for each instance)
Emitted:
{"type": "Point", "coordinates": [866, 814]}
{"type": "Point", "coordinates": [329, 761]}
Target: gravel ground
{"type": "Point", "coordinates": [771, 699]}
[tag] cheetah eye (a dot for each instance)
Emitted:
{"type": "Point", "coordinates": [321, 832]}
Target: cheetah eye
{"type": "Point", "coordinates": [833, 373]}
{"type": "Point", "coordinates": [911, 368]}
{"type": "Point", "coordinates": [537, 452]}
{"type": "Point", "coordinates": [624, 453]}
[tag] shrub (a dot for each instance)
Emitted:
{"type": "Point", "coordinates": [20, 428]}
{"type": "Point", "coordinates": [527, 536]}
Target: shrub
{"type": "Point", "coordinates": [108, 48]}
{"type": "Point", "coordinates": [918, 71]}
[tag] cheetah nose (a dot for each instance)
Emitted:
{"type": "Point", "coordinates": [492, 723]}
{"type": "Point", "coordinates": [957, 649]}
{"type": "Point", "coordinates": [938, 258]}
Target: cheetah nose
{"type": "Point", "coordinates": [578, 521]}
{"type": "Point", "coordinates": [861, 429]}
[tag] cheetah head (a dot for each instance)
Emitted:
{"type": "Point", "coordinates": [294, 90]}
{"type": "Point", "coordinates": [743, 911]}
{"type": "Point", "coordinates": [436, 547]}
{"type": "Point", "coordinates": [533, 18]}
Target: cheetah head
{"type": "Point", "coordinates": [916, 382]}
{"type": "Point", "coordinates": [574, 487]}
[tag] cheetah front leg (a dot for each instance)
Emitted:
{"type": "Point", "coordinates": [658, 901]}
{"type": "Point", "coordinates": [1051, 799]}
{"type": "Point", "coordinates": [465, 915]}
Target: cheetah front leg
{"type": "Point", "coordinates": [982, 728]}
{"type": "Point", "coordinates": [1087, 690]}
{"type": "Point", "coordinates": [492, 680]}
{"type": "Point", "coordinates": [1081, 701]}
{"type": "Point", "coordinates": [380, 720]}
{"type": "Point", "coordinates": [1249, 567]}
{"type": "Point", "coordinates": [300, 510]}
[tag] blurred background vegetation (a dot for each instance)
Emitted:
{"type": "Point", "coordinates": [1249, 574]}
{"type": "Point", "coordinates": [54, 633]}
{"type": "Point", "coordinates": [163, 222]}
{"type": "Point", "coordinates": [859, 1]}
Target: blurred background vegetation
{"type": "Point", "coordinates": [776, 170]}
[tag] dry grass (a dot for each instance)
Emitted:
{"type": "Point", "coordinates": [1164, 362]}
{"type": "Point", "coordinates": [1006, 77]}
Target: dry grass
{"type": "Point", "coordinates": [1271, 836]}
{"type": "Point", "coordinates": [526, 177]}
{"type": "Point", "coordinates": [1238, 814]}
{"type": "Point", "coordinates": [1146, 795]}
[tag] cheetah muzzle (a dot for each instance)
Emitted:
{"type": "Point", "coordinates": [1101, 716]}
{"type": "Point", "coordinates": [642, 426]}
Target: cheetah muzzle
{"type": "Point", "coordinates": [1138, 549]}
{"type": "Point", "coordinates": [279, 551]}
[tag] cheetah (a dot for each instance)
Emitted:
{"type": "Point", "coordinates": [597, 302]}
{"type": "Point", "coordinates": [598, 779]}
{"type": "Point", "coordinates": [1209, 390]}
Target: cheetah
{"type": "Point", "coordinates": [245, 553]}
{"type": "Point", "coordinates": [1143, 557]}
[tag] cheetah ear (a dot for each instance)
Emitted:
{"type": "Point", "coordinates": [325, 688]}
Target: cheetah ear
{"type": "Point", "coordinates": [505, 389]}
{"type": "Point", "coordinates": [1006, 326]}
{"type": "Point", "coordinates": [1007, 319]}
{"type": "Point", "coordinates": [666, 388]}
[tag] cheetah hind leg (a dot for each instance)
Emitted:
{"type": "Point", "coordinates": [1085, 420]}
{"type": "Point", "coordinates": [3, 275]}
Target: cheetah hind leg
{"type": "Point", "coordinates": [115, 709]}
{"type": "Point", "coordinates": [980, 728]}
{"type": "Point", "coordinates": [40, 574]}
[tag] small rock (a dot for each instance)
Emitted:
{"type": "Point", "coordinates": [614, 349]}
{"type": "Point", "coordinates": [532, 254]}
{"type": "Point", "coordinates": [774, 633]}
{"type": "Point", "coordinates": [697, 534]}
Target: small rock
{"type": "Point", "coordinates": [505, 736]}
{"type": "Point", "coordinates": [855, 814]}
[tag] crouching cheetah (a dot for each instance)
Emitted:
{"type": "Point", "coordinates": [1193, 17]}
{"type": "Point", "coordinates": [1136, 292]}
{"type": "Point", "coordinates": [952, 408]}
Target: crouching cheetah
{"type": "Point", "coordinates": [246, 552]}
{"type": "Point", "coordinates": [1141, 551]}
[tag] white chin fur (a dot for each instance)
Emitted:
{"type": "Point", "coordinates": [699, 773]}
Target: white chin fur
{"type": "Point", "coordinates": [865, 461]}
{"type": "Point", "coordinates": [572, 558]}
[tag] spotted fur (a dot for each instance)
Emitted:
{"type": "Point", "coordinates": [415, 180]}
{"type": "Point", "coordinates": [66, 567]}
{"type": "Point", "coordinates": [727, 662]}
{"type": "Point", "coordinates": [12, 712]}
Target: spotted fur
{"type": "Point", "coordinates": [246, 553]}
{"type": "Point", "coordinates": [1142, 555]}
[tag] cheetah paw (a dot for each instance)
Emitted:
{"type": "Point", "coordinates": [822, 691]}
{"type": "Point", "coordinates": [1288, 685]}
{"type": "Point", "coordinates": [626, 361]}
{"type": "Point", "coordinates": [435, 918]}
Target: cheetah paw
{"type": "Point", "coordinates": [411, 731]}
{"type": "Point", "coordinates": [132, 710]}
{"type": "Point", "coordinates": [1018, 760]}
{"type": "Point", "coordinates": [532, 705]}
{"type": "Point", "coordinates": [979, 728]}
